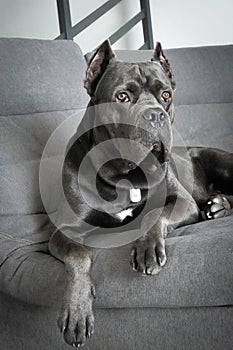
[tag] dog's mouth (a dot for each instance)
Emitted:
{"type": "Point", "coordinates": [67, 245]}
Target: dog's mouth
{"type": "Point", "coordinates": [157, 157]}
{"type": "Point", "coordinates": [132, 148]}
{"type": "Point", "coordinates": [161, 152]}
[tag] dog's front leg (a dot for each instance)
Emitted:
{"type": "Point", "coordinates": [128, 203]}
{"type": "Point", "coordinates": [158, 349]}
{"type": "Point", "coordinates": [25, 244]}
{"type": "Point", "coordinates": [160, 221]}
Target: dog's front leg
{"type": "Point", "coordinates": [148, 254]}
{"type": "Point", "coordinates": [76, 320]}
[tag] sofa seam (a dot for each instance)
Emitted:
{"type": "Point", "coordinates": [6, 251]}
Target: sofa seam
{"type": "Point", "coordinates": [19, 240]}
{"type": "Point", "coordinates": [203, 104]}
{"type": "Point", "coordinates": [44, 112]}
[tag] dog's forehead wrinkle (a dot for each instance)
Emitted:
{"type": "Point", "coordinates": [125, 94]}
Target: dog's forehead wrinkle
{"type": "Point", "coordinates": [124, 71]}
{"type": "Point", "coordinates": [133, 85]}
{"type": "Point", "coordinates": [133, 73]}
{"type": "Point", "coordinates": [142, 73]}
{"type": "Point", "coordinates": [154, 74]}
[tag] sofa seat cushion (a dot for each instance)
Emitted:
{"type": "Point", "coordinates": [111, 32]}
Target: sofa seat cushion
{"type": "Point", "coordinates": [198, 272]}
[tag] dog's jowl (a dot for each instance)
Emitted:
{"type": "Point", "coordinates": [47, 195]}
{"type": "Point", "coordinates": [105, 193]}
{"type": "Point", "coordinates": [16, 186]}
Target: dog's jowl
{"type": "Point", "coordinates": [121, 169]}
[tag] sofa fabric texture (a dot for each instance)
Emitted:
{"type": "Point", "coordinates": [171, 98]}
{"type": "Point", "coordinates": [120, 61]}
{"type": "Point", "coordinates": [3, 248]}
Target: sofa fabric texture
{"type": "Point", "coordinates": [189, 303]}
{"type": "Point", "coordinates": [42, 76]}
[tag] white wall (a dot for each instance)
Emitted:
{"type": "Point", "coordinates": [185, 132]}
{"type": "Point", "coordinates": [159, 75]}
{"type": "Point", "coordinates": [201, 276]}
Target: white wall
{"type": "Point", "coordinates": [181, 23]}
{"type": "Point", "coordinates": [176, 23]}
{"type": "Point", "coordinates": [28, 18]}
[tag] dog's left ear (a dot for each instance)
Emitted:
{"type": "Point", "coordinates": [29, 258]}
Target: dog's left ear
{"type": "Point", "coordinates": [159, 56]}
{"type": "Point", "coordinates": [97, 65]}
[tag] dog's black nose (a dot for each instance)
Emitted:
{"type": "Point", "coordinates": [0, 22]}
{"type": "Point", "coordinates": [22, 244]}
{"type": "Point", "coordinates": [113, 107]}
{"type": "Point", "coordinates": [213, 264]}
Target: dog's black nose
{"type": "Point", "coordinates": [154, 115]}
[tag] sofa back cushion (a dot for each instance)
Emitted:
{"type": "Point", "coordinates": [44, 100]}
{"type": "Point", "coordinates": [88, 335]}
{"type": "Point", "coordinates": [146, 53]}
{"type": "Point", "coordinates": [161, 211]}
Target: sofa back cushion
{"type": "Point", "coordinates": [202, 74]}
{"type": "Point", "coordinates": [40, 76]}
{"type": "Point", "coordinates": [41, 87]}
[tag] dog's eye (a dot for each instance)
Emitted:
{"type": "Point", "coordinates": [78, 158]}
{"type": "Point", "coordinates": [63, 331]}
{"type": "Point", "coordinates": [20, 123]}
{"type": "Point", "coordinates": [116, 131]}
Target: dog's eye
{"type": "Point", "coordinates": [122, 97]}
{"type": "Point", "coordinates": [166, 96]}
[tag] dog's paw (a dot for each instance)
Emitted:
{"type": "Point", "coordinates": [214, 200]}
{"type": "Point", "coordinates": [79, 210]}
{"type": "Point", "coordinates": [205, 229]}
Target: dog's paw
{"type": "Point", "coordinates": [76, 319]}
{"type": "Point", "coordinates": [148, 256]}
{"type": "Point", "coordinates": [217, 206]}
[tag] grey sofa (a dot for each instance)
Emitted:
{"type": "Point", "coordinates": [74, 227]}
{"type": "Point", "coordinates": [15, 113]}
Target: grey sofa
{"type": "Point", "coordinates": [189, 304]}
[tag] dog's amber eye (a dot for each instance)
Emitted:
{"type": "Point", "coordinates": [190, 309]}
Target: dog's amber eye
{"type": "Point", "coordinates": [122, 97]}
{"type": "Point", "coordinates": [166, 95]}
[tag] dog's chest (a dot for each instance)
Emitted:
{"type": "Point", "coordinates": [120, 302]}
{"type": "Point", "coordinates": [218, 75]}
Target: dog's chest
{"type": "Point", "coordinates": [124, 213]}
{"type": "Point", "coordinates": [135, 197]}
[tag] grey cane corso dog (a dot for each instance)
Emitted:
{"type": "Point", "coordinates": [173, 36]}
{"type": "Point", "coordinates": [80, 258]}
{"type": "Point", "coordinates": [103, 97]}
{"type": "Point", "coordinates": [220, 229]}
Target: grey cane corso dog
{"type": "Point", "coordinates": [141, 94]}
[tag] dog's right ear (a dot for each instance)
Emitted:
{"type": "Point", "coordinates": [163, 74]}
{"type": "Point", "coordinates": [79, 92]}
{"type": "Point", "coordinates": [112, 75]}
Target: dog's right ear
{"type": "Point", "coordinates": [97, 65]}
{"type": "Point", "coordinates": [161, 58]}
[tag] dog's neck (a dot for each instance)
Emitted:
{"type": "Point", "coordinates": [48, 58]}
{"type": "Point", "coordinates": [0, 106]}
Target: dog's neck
{"type": "Point", "coordinates": [134, 183]}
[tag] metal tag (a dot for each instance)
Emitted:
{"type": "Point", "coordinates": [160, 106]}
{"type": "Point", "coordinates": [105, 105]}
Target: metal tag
{"type": "Point", "coordinates": [135, 195]}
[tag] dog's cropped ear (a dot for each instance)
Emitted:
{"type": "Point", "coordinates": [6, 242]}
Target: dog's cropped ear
{"type": "Point", "coordinates": [160, 57]}
{"type": "Point", "coordinates": [97, 65]}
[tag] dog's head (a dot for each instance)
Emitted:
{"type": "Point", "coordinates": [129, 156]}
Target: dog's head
{"type": "Point", "coordinates": [139, 100]}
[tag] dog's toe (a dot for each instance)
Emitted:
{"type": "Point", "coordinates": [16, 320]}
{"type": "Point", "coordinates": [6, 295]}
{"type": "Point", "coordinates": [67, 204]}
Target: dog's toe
{"type": "Point", "coordinates": [152, 266]}
{"type": "Point", "coordinates": [63, 320]}
{"type": "Point", "coordinates": [89, 326]}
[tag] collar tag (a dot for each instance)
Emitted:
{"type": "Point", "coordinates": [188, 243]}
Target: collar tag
{"type": "Point", "coordinates": [135, 195]}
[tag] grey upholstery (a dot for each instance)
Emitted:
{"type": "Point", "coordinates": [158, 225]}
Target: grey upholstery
{"type": "Point", "coordinates": [189, 304]}
{"type": "Point", "coordinates": [41, 76]}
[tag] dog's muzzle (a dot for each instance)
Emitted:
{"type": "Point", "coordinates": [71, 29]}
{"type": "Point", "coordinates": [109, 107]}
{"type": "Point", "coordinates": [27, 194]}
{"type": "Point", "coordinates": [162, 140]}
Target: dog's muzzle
{"type": "Point", "coordinates": [155, 133]}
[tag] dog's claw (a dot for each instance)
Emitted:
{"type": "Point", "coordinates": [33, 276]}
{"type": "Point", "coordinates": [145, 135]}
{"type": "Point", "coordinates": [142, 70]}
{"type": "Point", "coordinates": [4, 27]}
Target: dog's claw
{"type": "Point", "coordinates": [162, 260]}
{"type": "Point", "coordinates": [133, 259]}
{"type": "Point", "coordinates": [62, 322]}
{"type": "Point", "coordinates": [91, 332]}
{"type": "Point", "coordinates": [62, 329]}
{"type": "Point", "coordinates": [153, 270]}
{"type": "Point", "coordinates": [93, 291]}
{"type": "Point", "coordinates": [148, 271]}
